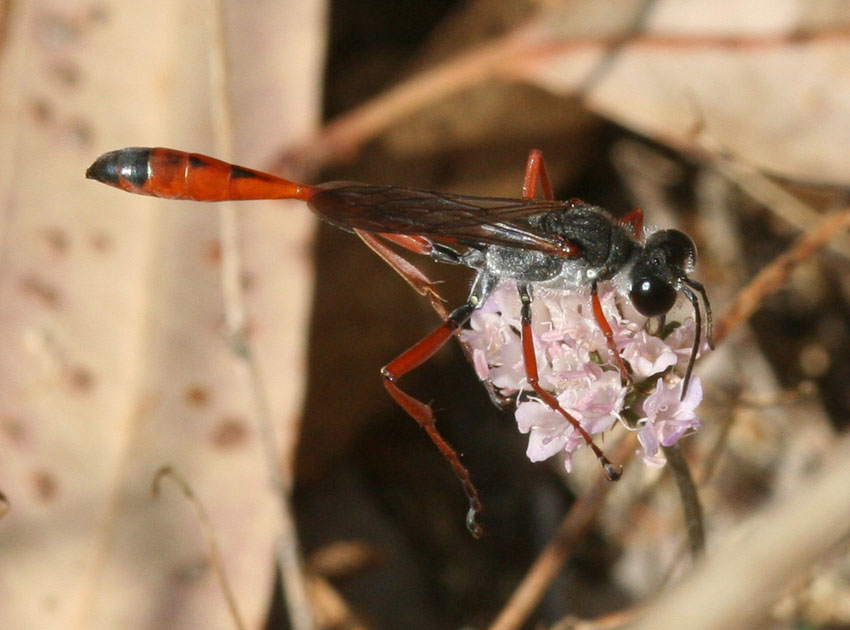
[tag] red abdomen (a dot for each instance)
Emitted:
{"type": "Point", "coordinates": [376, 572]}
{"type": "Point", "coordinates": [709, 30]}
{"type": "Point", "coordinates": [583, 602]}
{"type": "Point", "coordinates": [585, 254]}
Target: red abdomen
{"type": "Point", "coordinates": [179, 175]}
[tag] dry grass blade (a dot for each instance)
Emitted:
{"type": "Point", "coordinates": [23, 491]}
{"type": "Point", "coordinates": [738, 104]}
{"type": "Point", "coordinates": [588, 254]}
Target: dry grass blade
{"type": "Point", "coordinates": [288, 549]}
{"type": "Point", "coordinates": [333, 611]}
{"type": "Point", "coordinates": [517, 55]}
{"type": "Point", "coordinates": [774, 275]}
{"type": "Point", "coordinates": [732, 589]}
{"type": "Point", "coordinates": [344, 136]}
{"type": "Point", "coordinates": [209, 537]}
{"type": "Point", "coordinates": [551, 560]}
{"type": "Point", "coordinates": [778, 200]}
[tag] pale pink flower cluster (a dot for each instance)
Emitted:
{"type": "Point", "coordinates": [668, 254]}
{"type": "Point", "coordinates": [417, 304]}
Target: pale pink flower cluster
{"type": "Point", "coordinates": [575, 364]}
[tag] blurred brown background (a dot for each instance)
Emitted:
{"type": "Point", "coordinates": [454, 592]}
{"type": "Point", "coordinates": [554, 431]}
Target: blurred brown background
{"type": "Point", "coordinates": [116, 358]}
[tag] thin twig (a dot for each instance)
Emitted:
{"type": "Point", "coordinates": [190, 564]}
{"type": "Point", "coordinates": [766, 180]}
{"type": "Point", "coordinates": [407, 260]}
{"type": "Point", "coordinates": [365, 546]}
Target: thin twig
{"type": "Point", "coordinates": [690, 499]}
{"type": "Point", "coordinates": [775, 198]}
{"type": "Point", "coordinates": [774, 275]}
{"type": "Point", "coordinates": [737, 584]}
{"type": "Point", "coordinates": [335, 612]}
{"type": "Point", "coordinates": [344, 136]}
{"type": "Point", "coordinates": [209, 537]}
{"type": "Point", "coordinates": [510, 57]}
{"type": "Point", "coordinates": [610, 621]}
{"type": "Point", "coordinates": [551, 560]}
{"type": "Point", "coordinates": [293, 584]}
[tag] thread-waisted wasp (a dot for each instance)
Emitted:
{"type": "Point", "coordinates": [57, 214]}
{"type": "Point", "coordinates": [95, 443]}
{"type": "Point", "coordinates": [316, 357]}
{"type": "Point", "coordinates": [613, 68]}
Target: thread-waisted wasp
{"type": "Point", "coordinates": [538, 244]}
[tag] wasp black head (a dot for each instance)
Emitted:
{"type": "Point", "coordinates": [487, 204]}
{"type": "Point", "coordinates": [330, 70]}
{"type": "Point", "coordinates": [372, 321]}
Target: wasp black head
{"type": "Point", "coordinates": [659, 271]}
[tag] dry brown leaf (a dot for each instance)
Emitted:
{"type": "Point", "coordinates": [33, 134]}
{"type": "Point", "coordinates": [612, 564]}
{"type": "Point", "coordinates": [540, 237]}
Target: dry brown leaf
{"type": "Point", "coordinates": [770, 84]}
{"type": "Point", "coordinates": [115, 360]}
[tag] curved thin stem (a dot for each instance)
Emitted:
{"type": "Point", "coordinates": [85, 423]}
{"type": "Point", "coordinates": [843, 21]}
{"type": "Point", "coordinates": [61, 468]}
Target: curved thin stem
{"type": "Point", "coordinates": [776, 273]}
{"type": "Point", "coordinates": [551, 560]}
{"type": "Point", "coordinates": [209, 537]}
{"type": "Point", "coordinates": [293, 583]}
{"type": "Point", "coordinates": [691, 505]}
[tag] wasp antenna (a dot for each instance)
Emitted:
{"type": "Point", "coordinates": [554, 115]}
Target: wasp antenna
{"type": "Point", "coordinates": [709, 328]}
{"type": "Point", "coordinates": [697, 335]}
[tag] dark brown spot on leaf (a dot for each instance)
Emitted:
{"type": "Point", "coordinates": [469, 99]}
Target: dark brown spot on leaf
{"type": "Point", "coordinates": [190, 572]}
{"type": "Point", "coordinates": [66, 73]}
{"type": "Point", "coordinates": [213, 252]}
{"type": "Point", "coordinates": [229, 433]}
{"type": "Point", "coordinates": [41, 290]}
{"type": "Point", "coordinates": [14, 429]}
{"type": "Point", "coordinates": [41, 111]}
{"type": "Point", "coordinates": [80, 133]}
{"type": "Point", "coordinates": [249, 280]}
{"type": "Point", "coordinates": [44, 485]}
{"type": "Point", "coordinates": [54, 30]}
{"type": "Point", "coordinates": [196, 396]}
{"type": "Point", "coordinates": [101, 241]}
{"type": "Point", "coordinates": [98, 14]}
{"type": "Point", "coordinates": [56, 240]}
{"type": "Point", "coordinates": [80, 378]}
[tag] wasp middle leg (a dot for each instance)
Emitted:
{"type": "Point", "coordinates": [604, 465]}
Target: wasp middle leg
{"type": "Point", "coordinates": [530, 360]}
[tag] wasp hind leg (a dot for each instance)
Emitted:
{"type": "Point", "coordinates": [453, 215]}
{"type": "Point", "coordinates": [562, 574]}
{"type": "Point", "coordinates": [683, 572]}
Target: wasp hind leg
{"type": "Point", "coordinates": [421, 412]}
{"type": "Point", "coordinates": [409, 272]}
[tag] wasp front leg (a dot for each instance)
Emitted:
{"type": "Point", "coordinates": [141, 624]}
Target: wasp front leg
{"type": "Point", "coordinates": [634, 220]}
{"type": "Point", "coordinates": [599, 316]}
{"type": "Point", "coordinates": [421, 412]}
{"type": "Point", "coordinates": [612, 472]}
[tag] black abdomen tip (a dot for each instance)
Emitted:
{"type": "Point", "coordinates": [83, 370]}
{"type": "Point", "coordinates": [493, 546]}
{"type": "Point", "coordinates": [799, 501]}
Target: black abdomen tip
{"type": "Point", "coordinates": [124, 164]}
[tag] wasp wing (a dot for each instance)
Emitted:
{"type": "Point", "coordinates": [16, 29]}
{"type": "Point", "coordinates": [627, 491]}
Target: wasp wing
{"type": "Point", "coordinates": [460, 218]}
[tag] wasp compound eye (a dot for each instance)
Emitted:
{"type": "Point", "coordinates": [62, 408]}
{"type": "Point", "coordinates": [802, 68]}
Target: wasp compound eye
{"type": "Point", "coordinates": [652, 296]}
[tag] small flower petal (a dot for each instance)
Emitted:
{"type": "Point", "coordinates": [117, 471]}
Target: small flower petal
{"type": "Point", "coordinates": [575, 363]}
{"type": "Point", "coordinates": [667, 417]}
{"type": "Point", "coordinates": [648, 355]}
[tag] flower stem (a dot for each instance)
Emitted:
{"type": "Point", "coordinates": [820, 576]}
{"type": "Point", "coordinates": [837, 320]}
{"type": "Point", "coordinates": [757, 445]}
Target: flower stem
{"type": "Point", "coordinates": [690, 499]}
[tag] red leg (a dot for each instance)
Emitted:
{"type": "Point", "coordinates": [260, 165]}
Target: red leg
{"type": "Point", "coordinates": [599, 316]}
{"type": "Point", "coordinates": [421, 284]}
{"type": "Point", "coordinates": [634, 219]}
{"type": "Point", "coordinates": [419, 411]}
{"type": "Point", "coordinates": [412, 242]}
{"type": "Point", "coordinates": [535, 169]}
{"type": "Point", "coordinates": [403, 267]}
{"type": "Point", "coordinates": [530, 361]}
